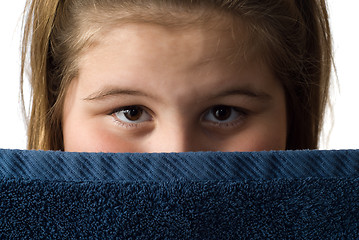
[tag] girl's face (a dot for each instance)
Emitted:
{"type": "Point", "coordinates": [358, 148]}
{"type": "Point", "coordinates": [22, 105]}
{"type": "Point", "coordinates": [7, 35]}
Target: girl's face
{"type": "Point", "coordinates": [149, 88]}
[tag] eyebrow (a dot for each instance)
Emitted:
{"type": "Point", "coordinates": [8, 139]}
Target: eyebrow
{"type": "Point", "coordinates": [245, 92]}
{"type": "Point", "coordinates": [110, 92]}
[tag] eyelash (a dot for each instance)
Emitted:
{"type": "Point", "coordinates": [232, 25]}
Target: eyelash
{"type": "Point", "coordinates": [239, 120]}
{"type": "Point", "coordinates": [243, 114]}
{"type": "Point", "coordinates": [127, 124]}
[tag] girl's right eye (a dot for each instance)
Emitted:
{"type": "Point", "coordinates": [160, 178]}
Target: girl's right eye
{"type": "Point", "coordinates": [131, 115]}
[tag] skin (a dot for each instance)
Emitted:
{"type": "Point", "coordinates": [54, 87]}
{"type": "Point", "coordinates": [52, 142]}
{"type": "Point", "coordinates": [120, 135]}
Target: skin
{"type": "Point", "coordinates": [149, 88]}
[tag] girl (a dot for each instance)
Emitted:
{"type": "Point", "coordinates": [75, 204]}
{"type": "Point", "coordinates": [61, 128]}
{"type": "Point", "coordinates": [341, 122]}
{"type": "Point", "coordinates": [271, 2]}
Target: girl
{"type": "Point", "coordinates": [176, 75]}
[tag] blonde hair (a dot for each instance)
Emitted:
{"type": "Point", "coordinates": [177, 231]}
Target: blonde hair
{"type": "Point", "coordinates": [294, 35]}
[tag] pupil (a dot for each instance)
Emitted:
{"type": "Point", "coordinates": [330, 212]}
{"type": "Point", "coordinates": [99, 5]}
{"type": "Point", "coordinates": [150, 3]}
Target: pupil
{"type": "Point", "coordinates": [133, 114]}
{"type": "Point", "coordinates": [222, 113]}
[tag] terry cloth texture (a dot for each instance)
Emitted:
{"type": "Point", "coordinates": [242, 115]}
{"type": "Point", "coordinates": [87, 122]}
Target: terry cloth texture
{"type": "Point", "coordinates": [205, 195]}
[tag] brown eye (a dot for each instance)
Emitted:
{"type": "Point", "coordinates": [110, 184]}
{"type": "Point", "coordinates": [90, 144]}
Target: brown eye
{"type": "Point", "coordinates": [131, 114]}
{"type": "Point", "coordinates": [222, 113]}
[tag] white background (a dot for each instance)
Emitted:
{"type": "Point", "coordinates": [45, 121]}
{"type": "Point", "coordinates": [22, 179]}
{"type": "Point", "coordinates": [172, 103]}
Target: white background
{"type": "Point", "coordinates": [341, 128]}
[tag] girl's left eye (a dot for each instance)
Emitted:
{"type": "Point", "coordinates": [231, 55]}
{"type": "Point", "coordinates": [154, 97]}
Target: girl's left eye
{"type": "Point", "coordinates": [131, 114]}
{"type": "Point", "coordinates": [223, 114]}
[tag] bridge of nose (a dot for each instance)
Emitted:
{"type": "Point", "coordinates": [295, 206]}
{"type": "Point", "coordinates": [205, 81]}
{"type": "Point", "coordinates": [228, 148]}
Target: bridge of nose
{"type": "Point", "coordinates": [178, 136]}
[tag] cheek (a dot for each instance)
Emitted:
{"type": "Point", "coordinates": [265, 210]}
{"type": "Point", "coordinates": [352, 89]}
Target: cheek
{"type": "Point", "coordinates": [264, 133]}
{"type": "Point", "coordinates": [88, 137]}
{"type": "Point", "coordinates": [267, 139]}
{"type": "Point", "coordinates": [257, 140]}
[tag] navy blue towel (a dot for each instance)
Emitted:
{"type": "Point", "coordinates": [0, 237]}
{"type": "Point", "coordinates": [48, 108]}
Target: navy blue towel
{"type": "Point", "coordinates": [208, 195]}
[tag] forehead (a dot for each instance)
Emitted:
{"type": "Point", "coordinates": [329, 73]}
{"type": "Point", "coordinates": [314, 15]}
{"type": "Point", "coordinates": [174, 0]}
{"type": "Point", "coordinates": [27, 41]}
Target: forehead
{"type": "Point", "coordinates": [220, 27]}
{"type": "Point", "coordinates": [145, 41]}
{"type": "Point", "coordinates": [158, 57]}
